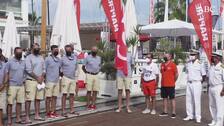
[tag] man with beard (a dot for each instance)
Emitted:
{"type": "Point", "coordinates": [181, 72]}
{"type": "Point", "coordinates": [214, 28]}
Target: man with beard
{"type": "Point", "coordinates": [16, 76]}
{"type": "Point", "coordinates": [3, 85]}
{"type": "Point", "coordinates": [35, 68]}
{"type": "Point", "coordinates": [92, 65]}
{"type": "Point", "coordinates": [53, 65]}
{"type": "Point", "coordinates": [68, 84]}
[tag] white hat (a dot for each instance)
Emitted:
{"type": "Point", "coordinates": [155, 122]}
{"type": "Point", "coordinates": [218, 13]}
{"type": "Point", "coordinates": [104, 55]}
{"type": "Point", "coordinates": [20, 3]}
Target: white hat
{"type": "Point", "coordinates": [194, 52]}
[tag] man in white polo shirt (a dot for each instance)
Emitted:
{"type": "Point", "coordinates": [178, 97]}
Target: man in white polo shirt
{"type": "Point", "coordinates": [149, 83]}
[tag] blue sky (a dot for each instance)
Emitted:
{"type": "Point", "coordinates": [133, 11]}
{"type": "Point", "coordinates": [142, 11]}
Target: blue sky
{"type": "Point", "coordinates": [92, 12]}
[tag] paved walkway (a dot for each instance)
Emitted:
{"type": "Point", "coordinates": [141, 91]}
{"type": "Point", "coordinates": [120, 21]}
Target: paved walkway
{"type": "Point", "coordinates": [110, 118]}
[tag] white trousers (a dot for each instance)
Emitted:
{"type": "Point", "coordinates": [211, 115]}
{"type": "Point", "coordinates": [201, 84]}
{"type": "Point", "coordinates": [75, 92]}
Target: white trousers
{"type": "Point", "coordinates": [193, 99]}
{"type": "Point", "coordinates": [216, 104]}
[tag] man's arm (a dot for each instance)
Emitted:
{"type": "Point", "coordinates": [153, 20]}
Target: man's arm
{"type": "Point", "coordinates": [222, 92]}
{"type": "Point", "coordinates": [157, 80]}
{"type": "Point", "coordinates": [176, 73]}
{"type": "Point", "coordinates": [29, 69]}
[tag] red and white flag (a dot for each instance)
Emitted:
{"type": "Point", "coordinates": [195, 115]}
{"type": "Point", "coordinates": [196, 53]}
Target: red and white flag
{"type": "Point", "coordinates": [77, 7]}
{"type": "Point", "coordinates": [114, 13]}
{"type": "Point", "coordinates": [202, 21]}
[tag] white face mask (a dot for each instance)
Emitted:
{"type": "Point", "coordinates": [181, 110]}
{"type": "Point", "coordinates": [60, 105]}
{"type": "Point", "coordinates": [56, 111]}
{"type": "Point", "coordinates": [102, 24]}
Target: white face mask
{"type": "Point", "coordinates": [192, 58]}
{"type": "Point", "coordinates": [148, 60]}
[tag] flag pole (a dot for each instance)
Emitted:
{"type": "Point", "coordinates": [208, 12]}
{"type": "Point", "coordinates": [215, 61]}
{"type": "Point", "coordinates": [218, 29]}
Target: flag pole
{"type": "Point", "coordinates": [43, 26]}
{"type": "Point", "coordinates": [186, 10]}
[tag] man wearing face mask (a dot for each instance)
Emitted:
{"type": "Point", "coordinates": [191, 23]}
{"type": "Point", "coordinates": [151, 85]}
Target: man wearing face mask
{"type": "Point", "coordinates": [149, 84]}
{"type": "Point", "coordinates": [216, 90]}
{"type": "Point", "coordinates": [53, 65]}
{"type": "Point", "coordinates": [3, 85]}
{"type": "Point", "coordinates": [15, 69]}
{"type": "Point", "coordinates": [92, 64]}
{"type": "Point", "coordinates": [35, 68]}
{"type": "Point", "coordinates": [196, 74]}
{"type": "Point", "coordinates": [68, 84]}
{"type": "Point", "coordinates": [169, 76]}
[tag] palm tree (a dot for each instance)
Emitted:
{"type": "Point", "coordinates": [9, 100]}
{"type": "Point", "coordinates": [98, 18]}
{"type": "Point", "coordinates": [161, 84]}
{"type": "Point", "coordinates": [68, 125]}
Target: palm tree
{"type": "Point", "coordinates": [33, 20]}
{"type": "Point", "coordinates": [176, 10]}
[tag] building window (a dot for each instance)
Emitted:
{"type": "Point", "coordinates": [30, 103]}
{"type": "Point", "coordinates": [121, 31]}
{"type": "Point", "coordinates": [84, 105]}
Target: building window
{"type": "Point", "coordinates": [11, 6]}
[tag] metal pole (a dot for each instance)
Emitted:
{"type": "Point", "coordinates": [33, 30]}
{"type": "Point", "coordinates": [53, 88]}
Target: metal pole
{"type": "Point", "coordinates": [48, 12]}
{"type": "Point", "coordinates": [186, 10]}
{"type": "Point", "coordinates": [32, 24]}
{"type": "Point", "coordinates": [43, 26]}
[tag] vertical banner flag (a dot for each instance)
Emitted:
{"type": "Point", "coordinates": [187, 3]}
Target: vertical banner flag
{"type": "Point", "coordinates": [114, 13]}
{"type": "Point", "coordinates": [201, 17]}
{"type": "Point", "coordinates": [151, 14]}
{"type": "Point", "coordinates": [77, 7]}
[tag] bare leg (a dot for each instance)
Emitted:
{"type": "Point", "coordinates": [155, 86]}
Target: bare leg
{"type": "Point", "coordinates": [119, 99]}
{"type": "Point", "coordinates": [94, 97]}
{"type": "Point", "coordinates": [173, 102]}
{"type": "Point", "coordinates": [37, 108]}
{"type": "Point", "coordinates": [53, 104]}
{"type": "Point", "coordinates": [77, 90]}
{"type": "Point", "coordinates": [9, 113]}
{"type": "Point", "coordinates": [48, 104]}
{"type": "Point", "coordinates": [165, 105]}
{"type": "Point", "coordinates": [147, 100]}
{"type": "Point", "coordinates": [128, 100]}
{"type": "Point", "coordinates": [18, 112]}
{"type": "Point", "coordinates": [27, 110]}
{"type": "Point", "coordinates": [71, 102]}
{"type": "Point", "coordinates": [1, 116]}
{"type": "Point", "coordinates": [63, 100]}
{"type": "Point", "coordinates": [88, 95]}
{"type": "Point", "coordinates": [153, 103]}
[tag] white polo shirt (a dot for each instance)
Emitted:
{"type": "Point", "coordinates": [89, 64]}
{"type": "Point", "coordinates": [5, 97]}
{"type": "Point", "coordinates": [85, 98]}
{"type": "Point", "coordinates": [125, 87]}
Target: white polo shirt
{"type": "Point", "coordinates": [149, 71]}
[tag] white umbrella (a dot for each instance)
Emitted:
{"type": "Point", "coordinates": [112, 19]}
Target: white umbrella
{"type": "Point", "coordinates": [65, 29]}
{"type": "Point", "coordinates": [166, 15]}
{"type": "Point", "coordinates": [10, 37]}
{"type": "Point", "coordinates": [169, 28]}
{"type": "Point", "coordinates": [130, 19]}
{"type": "Point", "coordinates": [130, 23]}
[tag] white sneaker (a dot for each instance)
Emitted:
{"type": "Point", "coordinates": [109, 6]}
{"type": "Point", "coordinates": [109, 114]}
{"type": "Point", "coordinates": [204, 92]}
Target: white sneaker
{"type": "Point", "coordinates": [118, 111]}
{"type": "Point", "coordinates": [212, 123]}
{"type": "Point", "coordinates": [153, 112]}
{"type": "Point", "coordinates": [188, 118]}
{"type": "Point", "coordinates": [146, 111]}
{"type": "Point", "coordinates": [198, 120]}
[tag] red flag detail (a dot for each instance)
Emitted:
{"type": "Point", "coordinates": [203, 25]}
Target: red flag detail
{"type": "Point", "coordinates": [114, 13]}
{"type": "Point", "coordinates": [77, 7]}
{"type": "Point", "coordinates": [202, 21]}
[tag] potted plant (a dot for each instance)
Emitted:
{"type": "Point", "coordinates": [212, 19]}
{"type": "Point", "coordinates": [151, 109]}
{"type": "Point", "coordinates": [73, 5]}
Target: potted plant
{"type": "Point", "coordinates": [107, 83]}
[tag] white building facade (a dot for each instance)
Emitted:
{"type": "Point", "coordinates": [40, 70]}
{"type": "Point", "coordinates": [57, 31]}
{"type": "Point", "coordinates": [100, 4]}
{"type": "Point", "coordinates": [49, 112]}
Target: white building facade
{"type": "Point", "coordinates": [20, 8]}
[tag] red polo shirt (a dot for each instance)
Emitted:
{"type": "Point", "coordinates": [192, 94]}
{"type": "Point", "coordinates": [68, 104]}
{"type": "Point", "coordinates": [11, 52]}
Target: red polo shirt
{"type": "Point", "coordinates": [168, 71]}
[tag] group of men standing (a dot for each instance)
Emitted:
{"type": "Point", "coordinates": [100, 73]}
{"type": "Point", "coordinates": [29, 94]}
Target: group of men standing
{"type": "Point", "coordinates": [23, 81]}
{"type": "Point", "coordinates": [196, 75]}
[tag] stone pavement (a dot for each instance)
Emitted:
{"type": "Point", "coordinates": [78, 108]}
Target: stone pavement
{"type": "Point", "coordinates": [105, 104]}
{"type": "Point", "coordinates": [110, 118]}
